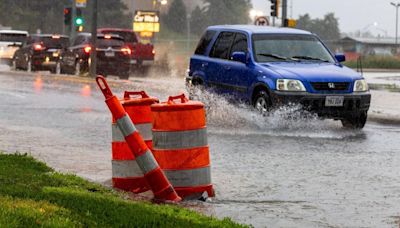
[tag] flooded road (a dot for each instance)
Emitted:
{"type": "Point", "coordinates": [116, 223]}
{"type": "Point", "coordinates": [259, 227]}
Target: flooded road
{"type": "Point", "coordinates": [282, 170]}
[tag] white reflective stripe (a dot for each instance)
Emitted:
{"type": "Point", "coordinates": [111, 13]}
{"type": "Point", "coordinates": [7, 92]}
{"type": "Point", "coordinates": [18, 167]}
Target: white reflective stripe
{"type": "Point", "coordinates": [189, 178]}
{"type": "Point", "coordinates": [144, 130]}
{"type": "Point", "coordinates": [147, 162]}
{"type": "Point", "coordinates": [179, 139]}
{"type": "Point", "coordinates": [126, 126]}
{"type": "Point", "coordinates": [126, 168]}
{"type": "Point", "coordinates": [117, 135]}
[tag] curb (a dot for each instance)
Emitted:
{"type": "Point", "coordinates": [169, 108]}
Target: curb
{"type": "Point", "coordinates": [384, 119]}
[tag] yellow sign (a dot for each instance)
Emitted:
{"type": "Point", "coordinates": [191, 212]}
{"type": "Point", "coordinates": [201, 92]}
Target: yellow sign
{"type": "Point", "coordinates": [146, 34]}
{"type": "Point", "coordinates": [146, 21]}
{"type": "Point", "coordinates": [80, 3]}
{"type": "Point", "coordinates": [146, 27]}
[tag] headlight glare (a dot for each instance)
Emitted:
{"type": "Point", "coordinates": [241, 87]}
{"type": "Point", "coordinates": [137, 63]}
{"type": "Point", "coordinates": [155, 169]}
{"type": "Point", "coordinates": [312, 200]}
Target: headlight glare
{"type": "Point", "coordinates": [290, 85]}
{"type": "Point", "coordinates": [360, 86]}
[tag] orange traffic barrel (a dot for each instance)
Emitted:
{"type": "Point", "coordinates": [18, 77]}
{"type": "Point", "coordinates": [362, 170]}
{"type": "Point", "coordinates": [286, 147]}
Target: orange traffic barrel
{"type": "Point", "coordinates": [126, 174]}
{"type": "Point", "coordinates": [180, 145]}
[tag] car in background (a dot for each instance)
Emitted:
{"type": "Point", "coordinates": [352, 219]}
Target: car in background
{"type": "Point", "coordinates": [40, 52]}
{"type": "Point", "coordinates": [10, 41]}
{"type": "Point", "coordinates": [142, 54]}
{"type": "Point", "coordinates": [269, 67]}
{"type": "Point", "coordinates": [113, 56]}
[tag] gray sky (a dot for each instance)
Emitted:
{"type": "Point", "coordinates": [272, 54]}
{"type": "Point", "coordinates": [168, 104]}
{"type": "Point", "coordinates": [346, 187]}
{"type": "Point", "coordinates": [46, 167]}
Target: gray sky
{"type": "Point", "coordinates": [353, 14]}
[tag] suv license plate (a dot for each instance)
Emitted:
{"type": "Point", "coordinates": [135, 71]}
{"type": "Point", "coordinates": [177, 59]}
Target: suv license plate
{"type": "Point", "coordinates": [110, 54]}
{"type": "Point", "coordinates": [334, 101]}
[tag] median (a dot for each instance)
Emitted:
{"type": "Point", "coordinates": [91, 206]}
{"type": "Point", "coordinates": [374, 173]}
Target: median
{"type": "Point", "coordinates": [32, 194]}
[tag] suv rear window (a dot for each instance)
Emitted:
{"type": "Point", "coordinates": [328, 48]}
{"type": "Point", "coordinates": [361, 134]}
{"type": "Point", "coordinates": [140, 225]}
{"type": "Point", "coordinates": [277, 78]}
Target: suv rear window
{"type": "Point", "coordinates": [128, 37]}
{"type": "Point", "coordinates": [9, 37]}
{"type": "Point", "coordinates": [204, 42]}
{"type": "Point", "coordinates": [51, 42]}
{"type": "Point", "coordinates": [105, 43]}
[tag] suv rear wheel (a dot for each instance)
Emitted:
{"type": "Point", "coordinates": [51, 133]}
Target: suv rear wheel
{"type": "Point", "coordinates": [262, 102]}
{"type": "Point", "coordinates": [29, 66]}
{"type": "Point", "coordinates": [77, 70]}
{"type": "Point", "coordinates": [356, 122]}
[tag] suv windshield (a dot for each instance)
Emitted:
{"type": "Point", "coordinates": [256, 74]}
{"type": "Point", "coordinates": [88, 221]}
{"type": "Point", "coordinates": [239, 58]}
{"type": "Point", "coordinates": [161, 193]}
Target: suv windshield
{"type": "Point", "coordinates": [289, 47]}
{"type": "Point", "coordinates": [9, 37]}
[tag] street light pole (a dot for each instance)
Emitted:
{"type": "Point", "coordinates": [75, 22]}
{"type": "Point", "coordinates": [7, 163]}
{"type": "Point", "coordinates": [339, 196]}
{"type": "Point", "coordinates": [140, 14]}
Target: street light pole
{"type": "Point", "coordinates": [397, 5]}
{"type": "Point", "coordinates": [93, 52]}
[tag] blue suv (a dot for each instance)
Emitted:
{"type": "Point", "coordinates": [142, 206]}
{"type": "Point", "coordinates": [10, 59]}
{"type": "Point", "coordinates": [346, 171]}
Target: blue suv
{"type": "Point", "coordinates": [269, 67]}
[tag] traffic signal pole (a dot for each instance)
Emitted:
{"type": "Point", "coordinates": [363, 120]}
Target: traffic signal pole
{"type": "Point", "coordinates": [73, 29]}
{"type": "Point", "coordinates": [93, 55]}
{"type": "Point", "coordinates": [284, 12]}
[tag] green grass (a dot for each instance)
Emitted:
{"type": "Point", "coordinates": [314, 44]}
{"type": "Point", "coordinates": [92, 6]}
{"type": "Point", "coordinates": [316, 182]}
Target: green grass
{"type": "Point", "coordinates": [33, 195]}
{"type": "Point", "coordinates": [377, 62]}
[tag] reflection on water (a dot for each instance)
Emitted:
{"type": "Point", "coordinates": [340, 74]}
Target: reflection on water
{"type": "Point", "coordinates": [38, 84]}
{"type": "Point", "coordinates": [86, 91]}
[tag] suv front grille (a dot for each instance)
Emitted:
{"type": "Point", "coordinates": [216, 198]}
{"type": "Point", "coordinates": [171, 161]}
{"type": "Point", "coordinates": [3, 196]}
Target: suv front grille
{"type": "Point", "coordinates": [330, 86]}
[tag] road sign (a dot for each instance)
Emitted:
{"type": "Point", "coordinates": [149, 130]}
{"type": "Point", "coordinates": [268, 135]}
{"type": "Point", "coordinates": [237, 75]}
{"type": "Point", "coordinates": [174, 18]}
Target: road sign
{"type": "Point", "coordinates": [261, 21]}
{"type": "Point", "coordinates": [146, 21]}
{"type": "Point", "coordinates": [80, 3]}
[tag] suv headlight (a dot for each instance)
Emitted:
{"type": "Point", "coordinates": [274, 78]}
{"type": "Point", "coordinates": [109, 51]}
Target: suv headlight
{"type": "Point", "coordinates": [360, 86]}
{"type": "Point", "coordinates": [289, 85]}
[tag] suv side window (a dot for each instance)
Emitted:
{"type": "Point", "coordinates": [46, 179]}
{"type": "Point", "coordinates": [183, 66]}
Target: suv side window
{"type": "Point", "coordinates": [204, 42]}
{"type": "Point", "coordinates": [222, 46]}
{"type": "Point", "coordinates": [240, 43]}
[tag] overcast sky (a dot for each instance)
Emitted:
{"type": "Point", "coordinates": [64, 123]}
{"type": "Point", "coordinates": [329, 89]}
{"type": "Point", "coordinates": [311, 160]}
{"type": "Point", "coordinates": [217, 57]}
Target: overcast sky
{"type": "Point", "coordinates": [353, 14]}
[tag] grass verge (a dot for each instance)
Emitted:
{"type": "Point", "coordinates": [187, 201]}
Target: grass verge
{"type": "Point", "coordinates": [376, 62]}
{"type": "Point", "coordinates": [33, 195]}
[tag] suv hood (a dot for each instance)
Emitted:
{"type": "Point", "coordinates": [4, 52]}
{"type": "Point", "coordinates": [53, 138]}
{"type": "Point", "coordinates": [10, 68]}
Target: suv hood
{"type": "Point", "coordinates": [313, 72]}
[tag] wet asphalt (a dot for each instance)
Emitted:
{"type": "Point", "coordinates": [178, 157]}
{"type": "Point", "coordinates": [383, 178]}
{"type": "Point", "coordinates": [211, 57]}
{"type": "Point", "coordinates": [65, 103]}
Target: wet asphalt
{"type": "Point", "coordinates": [282, 170]}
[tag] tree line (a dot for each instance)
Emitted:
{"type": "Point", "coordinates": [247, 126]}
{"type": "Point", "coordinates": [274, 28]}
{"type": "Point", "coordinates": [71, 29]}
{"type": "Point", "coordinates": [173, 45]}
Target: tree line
{"type": "Point", "coordinates": [48, 15]}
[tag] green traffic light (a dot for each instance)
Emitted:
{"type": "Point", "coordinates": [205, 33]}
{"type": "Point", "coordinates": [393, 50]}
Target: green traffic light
{"type": "Point", "coordinates": [78, 21]}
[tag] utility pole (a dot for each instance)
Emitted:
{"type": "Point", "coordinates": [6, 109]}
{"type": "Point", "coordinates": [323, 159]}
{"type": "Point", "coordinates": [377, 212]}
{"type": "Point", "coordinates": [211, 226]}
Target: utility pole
{"type": "Point", "coordinates": [284, 12]}
{"type": "Point", "coordinates": [188, 32]}
{"type": "Point", "coordinates": [397, 5]}
{"type": "Point", "coordinates": [73, 15]}
{"type": "Point", "coordinates": [93, 53]}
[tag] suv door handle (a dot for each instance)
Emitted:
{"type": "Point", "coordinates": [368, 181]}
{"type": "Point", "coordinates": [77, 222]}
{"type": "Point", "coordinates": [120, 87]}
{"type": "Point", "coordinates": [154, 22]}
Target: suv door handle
{"type": "Point", "coordinates": [227, 68]}
{"type": "Point", "coordinates": [204, 64]}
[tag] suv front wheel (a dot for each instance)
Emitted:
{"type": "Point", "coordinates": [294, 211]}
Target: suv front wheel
{"type": "Point", "coordinates": [355, 121]}
{"type": "Point", "coordinates": [262, 102]}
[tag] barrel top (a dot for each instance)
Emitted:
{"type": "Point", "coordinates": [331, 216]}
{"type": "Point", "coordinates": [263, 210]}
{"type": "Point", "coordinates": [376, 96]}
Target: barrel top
{"type": "Point", "coordinates": [168, 106]}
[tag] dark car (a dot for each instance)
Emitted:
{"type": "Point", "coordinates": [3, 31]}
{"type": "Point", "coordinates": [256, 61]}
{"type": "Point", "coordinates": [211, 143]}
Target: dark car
{"type": "Point", "coordinates": [270, 67]}
{"type": "Point", "coordinates": [142, 54]}
{"type": "Point", "coordinates": [40, 52]}
{"type": "Point", "coordinates": [113, 57]}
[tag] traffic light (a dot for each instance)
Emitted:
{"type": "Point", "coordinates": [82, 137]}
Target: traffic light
{"type": "Point", "coordinates": [67, 15]}
{"type": "Point", "coordinates": [78, 18]}
{"type": "Point", "coordinates": [275, 8]}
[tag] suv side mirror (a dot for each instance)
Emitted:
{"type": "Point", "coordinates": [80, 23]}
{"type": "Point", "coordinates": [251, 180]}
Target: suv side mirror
{"type": "Point", "coordinates": [340, 58]}
{"type": "Point", "coordinates": [239, 56]}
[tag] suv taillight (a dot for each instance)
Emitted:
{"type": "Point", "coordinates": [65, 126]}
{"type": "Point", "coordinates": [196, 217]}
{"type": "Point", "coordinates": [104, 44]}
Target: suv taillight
{"type": "Point", "coordinates": [38, 47]}
{"type": "Point", "coordinates": [126, 50]}
{"type": "Point", "coordinates": [87, 49]}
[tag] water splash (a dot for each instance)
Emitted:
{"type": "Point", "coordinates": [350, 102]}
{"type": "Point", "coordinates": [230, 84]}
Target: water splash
{"type": "Point", "coordinates": [225, 117]}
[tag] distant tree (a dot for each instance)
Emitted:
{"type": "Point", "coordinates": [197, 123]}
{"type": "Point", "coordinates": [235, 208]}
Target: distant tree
{"type": "Point", "coordinates": [198, 21]}
{"type": "Point", "coordinates": [176, 18]}
{"type": "Point", "coordinates": [220, 12]}
{"type": "Point", "coordinates": [327, 28]}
